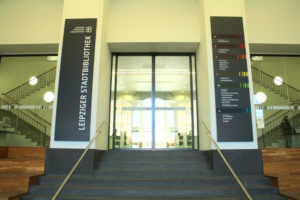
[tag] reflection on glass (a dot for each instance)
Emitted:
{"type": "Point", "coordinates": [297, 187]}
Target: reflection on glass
{"type": "Point", "coordinates": [133, 122]}
{"type": "Point", "coordinates": [112, 103]}
{"type": "Point", "coordinates": [173, 102]}
{"type": "Point", "coordinates": [195, 106]}
{"type": "Point", "coordinates": [22, 101]}
{"type": "Point", "coordinates": [171, 85]}
{"type": "Point", "coordinates": [277, 77]}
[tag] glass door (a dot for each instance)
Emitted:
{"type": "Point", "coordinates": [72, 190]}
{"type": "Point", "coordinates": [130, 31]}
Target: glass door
{"type": "Point", "coordinates": [152, 102]}
{"type": "Point", "coordinates": [173, 128]}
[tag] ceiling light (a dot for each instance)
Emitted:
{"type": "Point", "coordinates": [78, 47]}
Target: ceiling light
{"type": "Point", "coordinates": [33, 80]}
{"type": "Point", "coordinates": [48, 97]}
{"type": "Point", "coordinates": [257, 58]}
{"type": "Point", "coordinates": [51, 58]}
{"type": "Point", "coordinates": [261, 97]}
{"type": "Point", "coordinates": [278, 80]}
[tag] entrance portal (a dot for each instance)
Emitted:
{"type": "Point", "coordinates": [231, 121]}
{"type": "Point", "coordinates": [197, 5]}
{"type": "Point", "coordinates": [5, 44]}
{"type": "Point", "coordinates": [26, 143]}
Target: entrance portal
{"type": "Point", "coordinates": [153, 102]}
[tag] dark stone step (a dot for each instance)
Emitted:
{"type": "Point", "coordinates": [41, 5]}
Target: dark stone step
{"type": "Point", "coordinates": [153, 153]}
{"type": "Point", "coordinates": [153, 158]}
{"type": "Point", "coordinates": [139, 182]}
{"type": "Point", "coordinates": [153, 191]}
{"type": "Point", "coordinates": [152, 166]}
{"type": "Point", "coordinates": [153, 173]}
{"type": "Point", "coordinates": [47, 197]}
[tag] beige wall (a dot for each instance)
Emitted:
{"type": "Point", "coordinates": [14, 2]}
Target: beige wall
{"type": "Point", "coordinates": [153, 26]}
{"type": "Point", "coordinates": [273, 21]}
{"type": "Point", "coordinates": [273, 26]}
{"type": "Point", "coordinates": [153, 21]}
{"type": "Point", "coordinates": [30, 26]}
{"type": "Point", "coordinates": [102, 85]}
{"type": "Point", "coordinates": [34, 26]}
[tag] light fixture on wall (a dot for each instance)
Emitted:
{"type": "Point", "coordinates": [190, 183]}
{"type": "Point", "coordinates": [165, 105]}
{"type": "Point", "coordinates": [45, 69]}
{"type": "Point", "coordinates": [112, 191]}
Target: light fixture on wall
{"type": "Point", "coordinates": [278, 80]}
{"type": "Point", "coordinates": [51, 58]}
{"type": "Point", "coordinates": [48, 97]}
{"type": "Point", "coordinates": [261, 97]}
{"type": "Point", "coordinates": [33, 80]}
{"type": "Point", "coordinates": [257, 58]}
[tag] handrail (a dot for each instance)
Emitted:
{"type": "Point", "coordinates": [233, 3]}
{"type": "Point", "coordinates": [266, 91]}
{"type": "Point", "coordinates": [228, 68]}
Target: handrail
{"type": "Point", "coordinates": [293, 94]}
{"type": "Point", "coordinates": [79, 160]}
{"type": "Point", "coordinates": [273, 115]}
{"type": "Point", "coordinates": [27, 81]}
{"type": "Point", "coordinates": [24, 113]}
{"type": "Point", "coordinates": [49, 123]}
{"type": "Point", "coordinates": [229, 167]}
{"type": "Point", "coordinates": [274, 120]}
{"type": "Point", "coordinates": [268, 75]}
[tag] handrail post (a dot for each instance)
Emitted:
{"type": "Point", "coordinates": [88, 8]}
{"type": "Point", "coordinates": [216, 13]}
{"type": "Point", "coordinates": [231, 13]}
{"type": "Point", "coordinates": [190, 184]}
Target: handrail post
{"type": "Point", "coordinates": [79, 160]}
{"type": "Point", "coordinates": [229, 167]}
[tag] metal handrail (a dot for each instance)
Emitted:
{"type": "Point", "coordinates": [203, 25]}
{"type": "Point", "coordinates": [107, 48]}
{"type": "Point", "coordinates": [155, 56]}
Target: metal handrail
{"type": "Point", "coordinates": [17, 103]}
{"type": "Point", "coordinates": [79, 160]}
{"type": "Point", "coordinates": [267, 80]}
{"type": "Point", "coordinates": [49, 71]}
{"type": "Point", "coordinates": [229, 167]}
{"type": "Point", "coordinates": [42, 125]}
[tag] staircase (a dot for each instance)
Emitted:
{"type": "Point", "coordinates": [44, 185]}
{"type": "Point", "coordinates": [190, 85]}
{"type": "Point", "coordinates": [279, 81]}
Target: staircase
{"type": "Point", "coordinates": [25, 89]}
{"type": "Point", "coordinates": [27, 129]}
{"type": "Point", "coordinates": [283, 90]}
{"type": "Point", "coordinates": [152, 175]}
{"type": "Point", "coordinates": [27, 123]}
{"type": "Point", "coordinates": [272, 130]}
{"type": "Point", "coordinates": [19, 168]}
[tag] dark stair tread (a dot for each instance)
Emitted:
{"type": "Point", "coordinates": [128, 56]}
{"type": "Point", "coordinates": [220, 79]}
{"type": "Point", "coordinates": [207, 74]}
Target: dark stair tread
{"type": "Point", "coordinates": [141, 178]}
{"type": "Point", "coordinates": [47, 197]}
{"type": "Point", "coordinates": [167, 170]}
{"type": "Point", "coordinates": [155, 187]}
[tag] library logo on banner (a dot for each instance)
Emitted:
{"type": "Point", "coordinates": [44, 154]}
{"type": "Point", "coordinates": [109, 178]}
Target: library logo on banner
{"type": "Point", "coordinates": [88, 29]}
{"type": "Point", "coordinates": [82, 29]}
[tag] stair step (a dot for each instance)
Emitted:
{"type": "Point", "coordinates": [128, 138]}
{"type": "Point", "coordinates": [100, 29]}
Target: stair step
{"type": "Point", "coordinates": [153, 153]}
{"type": "Point", "coordinates": [47, 197]}
{"type": "Point", "coordinates": [149, 158]}
{"type": "Point", "coordinates": [153, 173]}
{"type": "Point", "coordinates": [152, 166]}
{"type": "Point", "coordinates": [143, 182]}
{"type": "Point", "coordinates": [153, 191]}
{"type": "Point", "coordinates": [22, 165]}
{"type": "Point", "coordinates": [11, 195]}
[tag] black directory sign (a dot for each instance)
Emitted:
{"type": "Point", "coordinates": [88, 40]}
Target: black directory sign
{"type": "Point", "coordinates": [73, 112]}
{"type": "Point", "coordinates": [233, 108]}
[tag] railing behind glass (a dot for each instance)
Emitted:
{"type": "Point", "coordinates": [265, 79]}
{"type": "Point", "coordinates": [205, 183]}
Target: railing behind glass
{"type": "Point", "coordinates": [26, 89]}
{"type": "Point", "coordinates": [79, 160]}
{"type": "Point", "coordinates": [224, 159]}
{"type": "Point", "coordinates": [23, 124]}
{"type": "Point", "coordinates": [267, 81]}
{"type": "Point", "coordinates": [13, 102]}
{"type": "Point", "coordinates": [271, 132]}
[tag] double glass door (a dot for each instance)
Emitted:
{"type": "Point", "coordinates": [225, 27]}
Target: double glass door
{"type": "Point", "coordinates": [153, 102]}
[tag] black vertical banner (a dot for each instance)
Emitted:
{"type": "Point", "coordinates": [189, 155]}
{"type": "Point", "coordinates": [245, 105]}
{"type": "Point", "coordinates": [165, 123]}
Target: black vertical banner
{"type": "Point", "coordinates": [73, 112]}
{"type": "Point", "coordinates": [233, 107]}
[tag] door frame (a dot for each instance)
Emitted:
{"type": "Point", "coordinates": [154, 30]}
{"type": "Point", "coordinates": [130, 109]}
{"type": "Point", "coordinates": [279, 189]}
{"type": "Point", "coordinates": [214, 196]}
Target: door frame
{"type": "Point", "coordinates": [153, 56]}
